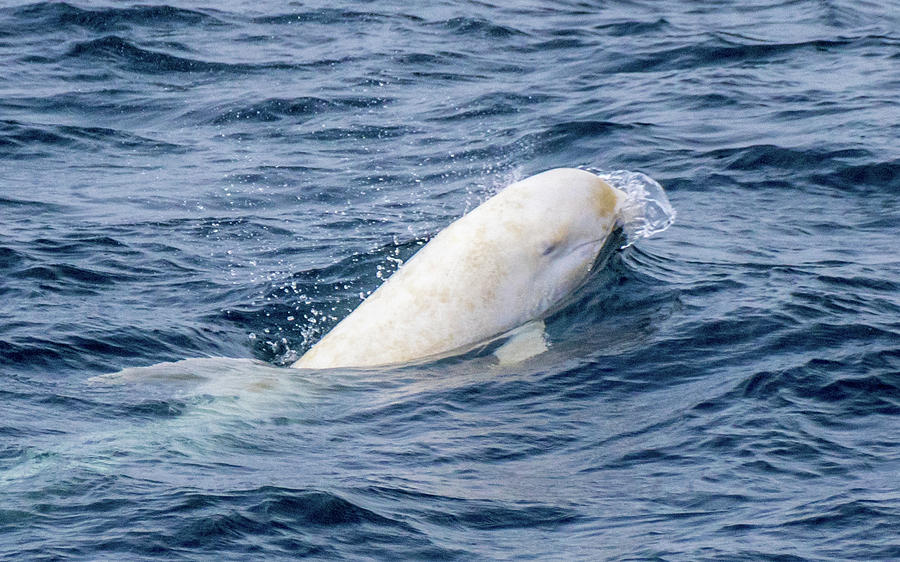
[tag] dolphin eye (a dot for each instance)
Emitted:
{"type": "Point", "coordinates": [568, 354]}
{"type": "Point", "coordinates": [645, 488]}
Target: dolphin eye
{"type": "Point", "coordinates": [549, 249]}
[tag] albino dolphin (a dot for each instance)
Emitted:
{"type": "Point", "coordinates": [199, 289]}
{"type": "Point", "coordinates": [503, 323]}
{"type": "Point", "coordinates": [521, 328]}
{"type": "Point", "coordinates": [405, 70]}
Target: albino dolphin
{"type": "Point", "coordinates": [503, 266]}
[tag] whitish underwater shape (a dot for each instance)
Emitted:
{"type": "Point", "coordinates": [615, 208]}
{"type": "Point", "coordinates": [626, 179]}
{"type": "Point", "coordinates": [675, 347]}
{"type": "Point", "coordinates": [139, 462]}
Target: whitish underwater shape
{"type": "Point", "coordinates": [494, 274]}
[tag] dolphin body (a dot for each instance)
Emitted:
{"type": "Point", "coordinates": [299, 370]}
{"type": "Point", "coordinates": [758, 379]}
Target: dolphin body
{"type": "Point", "coordinates": [502, 267]}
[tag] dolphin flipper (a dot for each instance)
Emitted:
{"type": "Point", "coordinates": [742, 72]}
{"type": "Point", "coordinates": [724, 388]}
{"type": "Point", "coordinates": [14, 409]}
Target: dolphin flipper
{"type": "Point", "coordinates": [524, 342]}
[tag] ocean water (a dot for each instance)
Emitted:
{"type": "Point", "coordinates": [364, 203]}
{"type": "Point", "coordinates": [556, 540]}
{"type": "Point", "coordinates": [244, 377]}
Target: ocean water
{"type": "Point", "coordinates": [190, 180]}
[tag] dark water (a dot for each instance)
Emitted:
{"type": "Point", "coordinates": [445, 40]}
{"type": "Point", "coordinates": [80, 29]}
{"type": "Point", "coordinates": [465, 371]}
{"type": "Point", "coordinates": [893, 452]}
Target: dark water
{"type": "Point", "coordinates": [188, 180]}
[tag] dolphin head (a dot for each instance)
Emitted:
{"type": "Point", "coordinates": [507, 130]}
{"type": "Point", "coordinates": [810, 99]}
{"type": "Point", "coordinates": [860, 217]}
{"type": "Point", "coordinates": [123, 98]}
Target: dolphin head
{"type": "Point", "coordinates": [561, 220]}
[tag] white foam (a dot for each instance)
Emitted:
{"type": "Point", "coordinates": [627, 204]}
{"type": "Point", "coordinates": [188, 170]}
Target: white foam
{"type": "Point", "coordinates": [646, 209]}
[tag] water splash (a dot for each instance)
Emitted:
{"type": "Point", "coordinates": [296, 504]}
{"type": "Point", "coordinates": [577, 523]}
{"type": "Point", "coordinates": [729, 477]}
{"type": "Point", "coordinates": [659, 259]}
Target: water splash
{"type": "Point", "coordinates": [646, 209]}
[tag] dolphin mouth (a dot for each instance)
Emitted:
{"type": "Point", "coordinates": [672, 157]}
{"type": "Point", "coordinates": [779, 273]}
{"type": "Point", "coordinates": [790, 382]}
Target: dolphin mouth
{"type": "Point", "coordinates": [614, 242]}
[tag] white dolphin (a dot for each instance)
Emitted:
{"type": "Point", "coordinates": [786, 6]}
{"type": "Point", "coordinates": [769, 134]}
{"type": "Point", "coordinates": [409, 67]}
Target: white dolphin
{"type": "Point", "coordinates": [504, 266]}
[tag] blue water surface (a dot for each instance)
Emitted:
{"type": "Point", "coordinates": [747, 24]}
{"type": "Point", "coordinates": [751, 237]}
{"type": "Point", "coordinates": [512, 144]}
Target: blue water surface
{"type": "Point", "coordinates": [228, 179]}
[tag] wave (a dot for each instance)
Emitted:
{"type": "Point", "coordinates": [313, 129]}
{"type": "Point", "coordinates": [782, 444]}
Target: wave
{"type": "Point", "coordinates": [490, 105]}
{"type": "Point", "coordinates": [32, 140]}
{"type": "Point", "coordinates": [276, 109]}
{"type": "Point", "coordinates": [754, 157]}
{"type": "Point", "coordinates": [851, 170]}
{"type": "Point", "coordinates": [331, 16]}
{"type": "Point", "coordinates": [725, 52]}
{"type": "Point", "coordinates": [873, 177]}
{"type": "Point", "coordinates": [634, 28]}
{"type": "Point", "coordinates": [473, 26]}
{"type": "Point", "coordinates": [61, 15]}
{"type": "Point", "coordinates": [130, 57]}
{"type": "Point", "coordinates": [221, 522]}
{"type": "Point", "coordinates": [116, 49]}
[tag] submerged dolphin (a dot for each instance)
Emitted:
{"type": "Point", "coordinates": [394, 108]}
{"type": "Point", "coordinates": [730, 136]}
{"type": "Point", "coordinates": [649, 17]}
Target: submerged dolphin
{"type": "Point", "coordinates": [503, 266]}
